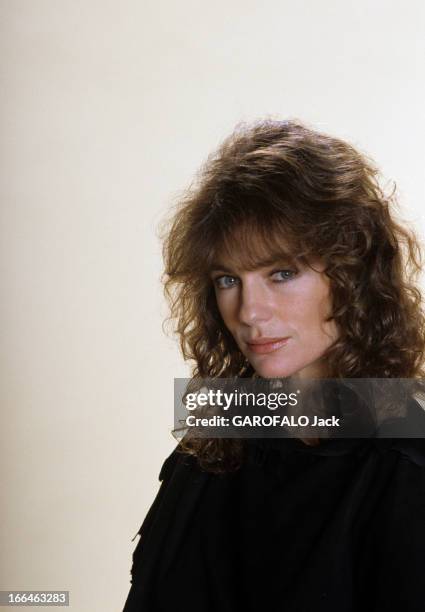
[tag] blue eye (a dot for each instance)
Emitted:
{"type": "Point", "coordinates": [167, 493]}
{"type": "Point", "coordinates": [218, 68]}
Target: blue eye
{"type": "Point", "coordinates": [219, 282]}
{"type": "Point", "coordinates": [290, 273]}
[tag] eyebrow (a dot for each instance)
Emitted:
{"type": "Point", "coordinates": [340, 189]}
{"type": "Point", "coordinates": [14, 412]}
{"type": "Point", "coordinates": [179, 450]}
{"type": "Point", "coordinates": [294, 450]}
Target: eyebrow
{"type": "Point", "coordinates": [218, 267]}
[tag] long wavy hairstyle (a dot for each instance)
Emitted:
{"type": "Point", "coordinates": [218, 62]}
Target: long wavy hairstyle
{"type": "Point", "coordinates": [281, 188]}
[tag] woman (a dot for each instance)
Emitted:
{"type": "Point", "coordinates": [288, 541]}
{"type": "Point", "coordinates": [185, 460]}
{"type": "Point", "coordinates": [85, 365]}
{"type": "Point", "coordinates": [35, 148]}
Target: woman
{"type": "Point", "coordinates": [285, 259]}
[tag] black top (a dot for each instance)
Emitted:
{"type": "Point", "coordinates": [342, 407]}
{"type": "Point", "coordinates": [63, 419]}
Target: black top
{"type": "Point", "coordinates": [335, 528]}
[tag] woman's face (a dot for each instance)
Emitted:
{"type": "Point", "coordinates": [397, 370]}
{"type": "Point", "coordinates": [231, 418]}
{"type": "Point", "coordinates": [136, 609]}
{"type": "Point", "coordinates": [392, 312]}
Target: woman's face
{"type": "Point", "coordinates": [272, 303]}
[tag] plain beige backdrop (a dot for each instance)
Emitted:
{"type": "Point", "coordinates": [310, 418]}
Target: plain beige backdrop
{"type": "Point", "coordinates": [107, 110]}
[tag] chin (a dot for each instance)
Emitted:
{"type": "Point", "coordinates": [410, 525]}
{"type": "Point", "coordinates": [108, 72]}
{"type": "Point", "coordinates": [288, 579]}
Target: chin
{"type": "Point", "coordinates": [275, 370]}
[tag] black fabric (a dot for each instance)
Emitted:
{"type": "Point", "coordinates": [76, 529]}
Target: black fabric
{"type": "Point", "coordinates": [334, 528]}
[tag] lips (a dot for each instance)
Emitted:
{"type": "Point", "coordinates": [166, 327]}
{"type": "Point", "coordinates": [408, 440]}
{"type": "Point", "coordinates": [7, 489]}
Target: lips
{"type": "Point", "coordinates": [267, 345]}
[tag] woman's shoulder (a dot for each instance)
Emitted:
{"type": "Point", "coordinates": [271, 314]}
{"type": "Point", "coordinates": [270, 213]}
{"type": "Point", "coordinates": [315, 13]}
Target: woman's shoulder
{"type": "Point", "coordinates": [177, 461]}
{"type": "Point", "coordinates": [406, 436]}
{"type": "Point", "coordinates": [410, 449]}
{"type": "Point", "coordinates": [169, 464]}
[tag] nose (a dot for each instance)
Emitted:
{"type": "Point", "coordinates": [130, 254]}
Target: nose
{"type": "Point", "coordinates": [255, 306]}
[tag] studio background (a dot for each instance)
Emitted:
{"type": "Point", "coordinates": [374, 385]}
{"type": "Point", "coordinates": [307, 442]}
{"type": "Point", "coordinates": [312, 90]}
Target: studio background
{"type": "Point", "coordinates": [107, 110]}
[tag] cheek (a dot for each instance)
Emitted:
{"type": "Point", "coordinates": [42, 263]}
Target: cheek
{"type": "Point", "coordinates": [225, 309]}
{"type": "Point", "coordinates": [310, 312]}
{"type": "Point", "coordinates": [332, 330]}
{"type": "Point", "coordinates": [328, 329]}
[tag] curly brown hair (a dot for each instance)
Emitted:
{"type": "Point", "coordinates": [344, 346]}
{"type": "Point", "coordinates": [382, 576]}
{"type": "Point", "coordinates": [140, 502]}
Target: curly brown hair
{"type": "Point", "coordinates": [281, 188]}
